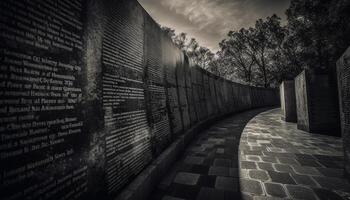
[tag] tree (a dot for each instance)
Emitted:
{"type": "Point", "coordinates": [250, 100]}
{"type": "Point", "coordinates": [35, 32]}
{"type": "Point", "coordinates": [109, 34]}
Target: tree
{"type": "Point", "coordinates": [322, 30]}
{"type": "Point", "coordinates": [234, 51]}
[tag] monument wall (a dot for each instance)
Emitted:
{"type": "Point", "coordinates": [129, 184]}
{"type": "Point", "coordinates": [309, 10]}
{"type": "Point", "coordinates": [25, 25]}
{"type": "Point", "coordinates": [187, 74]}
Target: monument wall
{"type": "Point", "coordinates": [317, 109]}
{"type": "Point", "coordinates": [343, 72]}
{"type": "Point", "coordinates": [288, 101]}
{"type": "Point", "coordinates": [93, 91]}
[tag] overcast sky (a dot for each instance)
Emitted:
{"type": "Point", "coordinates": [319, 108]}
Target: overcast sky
{"type": "Point", "coordinates": [210, 20]}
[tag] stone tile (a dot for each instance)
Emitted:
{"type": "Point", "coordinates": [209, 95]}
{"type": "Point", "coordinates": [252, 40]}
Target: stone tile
{"type": "Point", "coordinates": [280, 177]}
{"type": "Point", "coordinates": [304, 180]}
{"type": "Point", "coordinates": [300, 192]}
{"type": "Point", "coordinates": [248, 165]}
{"type": "Point", "coordinates": [333, 183]}
{"type": "Point", "coordinates": [219, 171]}
{"type": "Point", "coordinates": [284, 168]}
{"type": "Point", "coordinates": [199, 169]}
{"type": "Point", "coordinates": [253, 158]}
{"type": "Point", "coordinates": [269, 159]}
{"type": "Point", "coordinates": [206, 181]}
{"type": "Point", "coordinates": [183, 191]}
{"type": "Point", "coordinates": [265, 166]}
{"type": "Point", "coordinates": [331, 172]}
{"type": "Point", "coordinates": [219, 162]}
{"type": "Point", "coordinates": [171, 198]}
{"type": "Point", "coordinates": [324, 194]}
{"type": "Point", "coordinates": [194, 160]}
{"type": "Point", "coordinates": [226, 183]}
{"type": "Point", "coordinates": [259, 175]}
{"type": "Point", "coordinates": [275, 190]}
{"type": "Point", "coordinates": [186, 178]}
{"type": "Point", "coordinates": [306, 170]}
{"type": "Point", "coordinates": [210, 194]}
{"type": "Point", "coordinates": [251, 187]}
{"type": "Point", "coordinates": [286, 160]}
{"type": "Point", "coordinates": [234, 172]}
{"type": "Point", "coordinates": [309, 162]}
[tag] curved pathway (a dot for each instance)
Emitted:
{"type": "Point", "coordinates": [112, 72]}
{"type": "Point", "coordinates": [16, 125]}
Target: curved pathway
{"type": "Point", "coordinates": [209, 167]}
{"type": "Point", "coordinates": [278, 161]}
{"type": "Point", "coordinates": [261, 159]}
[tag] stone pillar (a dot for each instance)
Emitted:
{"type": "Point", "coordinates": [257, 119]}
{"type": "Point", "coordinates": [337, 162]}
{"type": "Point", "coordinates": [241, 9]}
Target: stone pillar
{"type": "Point", "coordinates": [343, 72]}
{"type": "Point", "coordinates": [317, 109]}
{"type": "Point", "coordinates": [288, 101]}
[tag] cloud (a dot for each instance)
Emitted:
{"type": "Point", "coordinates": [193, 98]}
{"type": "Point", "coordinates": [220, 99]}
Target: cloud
{"type": "Point", "coordinates": [210, 20]}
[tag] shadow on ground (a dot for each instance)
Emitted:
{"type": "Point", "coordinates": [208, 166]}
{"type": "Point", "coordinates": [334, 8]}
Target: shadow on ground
{"type": "Point", "coordinates": [209, 167]}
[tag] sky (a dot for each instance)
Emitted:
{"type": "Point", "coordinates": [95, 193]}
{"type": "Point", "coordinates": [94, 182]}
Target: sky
{"type": "Point", "coordinates": [209, 21]}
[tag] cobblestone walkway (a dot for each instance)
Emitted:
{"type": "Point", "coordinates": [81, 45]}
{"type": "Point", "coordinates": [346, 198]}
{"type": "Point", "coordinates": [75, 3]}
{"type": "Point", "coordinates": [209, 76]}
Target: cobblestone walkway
{"type": "Point", "coordinates": [278, 161]}
{"type": "Point", "coordinates": [272, 160]}
{"type": "Point", "coordinates": [209, 167]}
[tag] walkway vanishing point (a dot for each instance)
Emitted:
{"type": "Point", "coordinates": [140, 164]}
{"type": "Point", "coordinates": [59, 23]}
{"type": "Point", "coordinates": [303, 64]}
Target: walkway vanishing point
{"type": "Point", "coordinates": [264, 158]}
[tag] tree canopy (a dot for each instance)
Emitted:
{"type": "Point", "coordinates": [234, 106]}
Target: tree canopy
{"type": "Point", "coordinates": [317, 32]}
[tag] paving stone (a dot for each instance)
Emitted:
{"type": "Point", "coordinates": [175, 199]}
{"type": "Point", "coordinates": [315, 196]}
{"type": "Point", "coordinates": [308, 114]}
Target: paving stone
{"type": "Point", "coordinates": [309, 162]}
{"type": "Point", "coordinates": [269, 159]}
{"type": "Point", "coordinates": [171, 198]}
{"type": "Point", "coordinates": [286, 160]}
{"type": "Point", "coordinates": [284, 168]}
{"type": "Point", "coordinates": [332, 172]}
{"type": "Point", "coordinates": [183, 191]}
{"type": "Point", "coordinates": [219, 171]}
{"type": "Point", "coordinates": [324, 194]}
{"type": "Point", "coordinates": [333, 183]}
{"type": "Point", "coordinates": [186, 178]}
{"type": "Point", "coordinates": [226, 183]}
{"type": "Point", "coordinates": [206, 181]}
{"type": "Point", "coordinates": [265, 166]}
{"type": "Point", "coordinates": [304, 180]}
{"type": "Point", "coordinates": [253, 158]}
{"type": "Point", "coordinates": [248, 165]}
{"type": "Point", "coordinates": [222, 162]}
{"type": "Point", "coordinates": [280, 177]}
{"type": "Point", "coordinates": [194, 160]}
{"type": "Point", "coordinates": [300, 192]}
{"type": "Point", "coordinates": [210, 194]}
{"type": "Point", "coordinates": [251, 186]}
{"type": "Point", "coordinates": [234, 172]}
{"type": "Point", "coordinates": [275, 190]}
{"type": "Point", "coordinates": [306, 170]}
{"type": "Point", "coordinates": [215, 194]}
{"type": "Point", "coordinates": [259, 175]}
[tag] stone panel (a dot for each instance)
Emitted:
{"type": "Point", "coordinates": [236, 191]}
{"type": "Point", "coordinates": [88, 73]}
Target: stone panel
{"type": "Point", "coordinates": [155, 95]}
{"type": "Point", "coordinates": [288, 101]}
{"type": "Point", "coordinates": [43, 139]}
{"type": "Point", "coordinates": [317, 109]}
{"type": "Point", "coordinates": [343, 72]}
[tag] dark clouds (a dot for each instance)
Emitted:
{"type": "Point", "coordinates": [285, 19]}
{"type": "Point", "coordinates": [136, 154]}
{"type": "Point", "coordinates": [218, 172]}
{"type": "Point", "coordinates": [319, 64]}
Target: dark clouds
{"type": "Point", "coordinates": [209, 20]}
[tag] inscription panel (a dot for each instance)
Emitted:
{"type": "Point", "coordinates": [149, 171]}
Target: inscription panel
{"type": "Point", "coordinates": [155, 88]}
{"type": "Point", "coordinates": [41, 119]}
{"type": "Point", "coordinates": [171, 57]}
{"type": "Point", "coordinates": [128, 147]}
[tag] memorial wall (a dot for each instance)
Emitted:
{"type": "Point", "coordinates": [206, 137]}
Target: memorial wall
{"type": "Point", "coordinates": [93, 91]}
{"type": "Point", "coordinates": [343, 75]}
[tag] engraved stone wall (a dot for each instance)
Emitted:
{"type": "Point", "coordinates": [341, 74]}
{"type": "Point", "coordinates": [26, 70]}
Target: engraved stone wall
{"type": "Point", "coordinates": [91, 92]}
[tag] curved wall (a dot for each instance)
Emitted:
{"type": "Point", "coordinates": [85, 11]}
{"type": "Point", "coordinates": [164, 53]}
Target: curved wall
{"type": "Point", "coordinates": [92, 91]}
